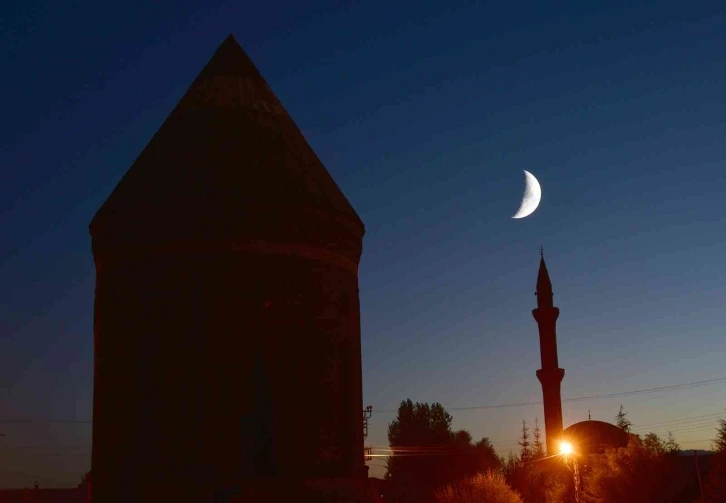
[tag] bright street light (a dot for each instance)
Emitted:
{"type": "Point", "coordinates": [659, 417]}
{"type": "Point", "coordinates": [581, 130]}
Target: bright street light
{"type": "Point", "coordinates": [565, 448]}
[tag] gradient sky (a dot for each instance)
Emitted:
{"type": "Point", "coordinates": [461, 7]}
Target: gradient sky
{"type": "Point", "coordinates": [425, 113]}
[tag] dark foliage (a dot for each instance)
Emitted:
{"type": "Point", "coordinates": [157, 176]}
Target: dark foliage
{"type": "Point", "coordinates": [715, 485]}
{"type": "Point", "coordinates": [539, 481]}
{"type": "Point", "coordinates": [526, 452]}
{"type": "Point", "coordinates": [538, 451]}
{"type": "Point", "coordinates": [645, 470]}
{"type": "Point", "coordinates": [428, 455]}
{"type": "Point", "coordinates": [489, 487]}
{"type": "Point", "coordinates": [622, 421]}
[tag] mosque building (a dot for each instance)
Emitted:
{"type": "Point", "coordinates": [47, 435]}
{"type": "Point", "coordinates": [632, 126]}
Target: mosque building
{"type": "Point", "coordinates": [586, 437]}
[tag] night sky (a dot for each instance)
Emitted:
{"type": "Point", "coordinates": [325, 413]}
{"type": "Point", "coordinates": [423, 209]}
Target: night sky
{"type": "Point", "coordinates": [426, 114]}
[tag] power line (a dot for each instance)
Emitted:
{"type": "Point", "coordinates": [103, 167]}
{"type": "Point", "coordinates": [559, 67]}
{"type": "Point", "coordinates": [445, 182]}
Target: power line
{"type": "Point", "coordinates": [692, 429]}
{"type": "Point", "coordinates": [583, 398]}
{"type": "Point", "coordinates": [45, 421]}
{"type": "Point", "coordinates": [679, 420]}
{"type": "Point", "coordinates": [685, 424]}
{"type": "Point", "coordinates": [47, 446]}
{"type": "Point", "coordinates": [705, 421]}
{"type": "Point", "coordinates": [473, 407]}
{"type": "Point", "coordinates": [679, 428]}
{"type": "Point", "coordinates": [86, 452]}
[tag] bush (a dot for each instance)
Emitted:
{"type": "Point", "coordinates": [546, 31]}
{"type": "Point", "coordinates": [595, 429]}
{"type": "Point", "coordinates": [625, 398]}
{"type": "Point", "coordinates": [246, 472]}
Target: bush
{"type": "Point", "coordinates": [489, 487]}
{"type": "Point", "coordinates": [642, 471]}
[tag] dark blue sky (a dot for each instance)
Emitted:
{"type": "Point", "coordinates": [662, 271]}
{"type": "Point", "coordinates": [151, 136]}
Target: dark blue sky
{"type": "Point", "coordinates": [425, 113]}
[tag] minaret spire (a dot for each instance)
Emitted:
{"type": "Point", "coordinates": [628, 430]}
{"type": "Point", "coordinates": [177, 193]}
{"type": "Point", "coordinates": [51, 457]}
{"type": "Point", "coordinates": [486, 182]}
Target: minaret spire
{"type": "Point", "coordinates": [550, 375]}
{"type": "Point", "coordinates": [544, 285]}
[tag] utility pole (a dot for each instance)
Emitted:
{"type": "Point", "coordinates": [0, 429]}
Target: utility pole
{"type": "Point", "coordinates": [565, 451]}
{"type": "Point", "coordinates": [575, 470]}
{"type": "Point", "coordinates": [366, 416]}
{"type": "Point", "coordinates": [698, 472]}
{"type": "Point", "coordinates": [578, 482]}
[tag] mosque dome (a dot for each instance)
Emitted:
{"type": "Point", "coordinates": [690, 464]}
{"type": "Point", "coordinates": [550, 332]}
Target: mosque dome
{"type": "Point", "coordinates": [593, 437]}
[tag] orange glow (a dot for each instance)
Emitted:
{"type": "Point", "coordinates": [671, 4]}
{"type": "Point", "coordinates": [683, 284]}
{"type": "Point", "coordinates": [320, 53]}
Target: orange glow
{"type": "Point", "coordinates": [565, 448]}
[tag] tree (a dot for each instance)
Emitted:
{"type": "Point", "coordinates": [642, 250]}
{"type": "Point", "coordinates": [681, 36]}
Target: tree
{"type": "Point", "coordinates": [483, 457]}
{"type": "Point", "coordinates": [654, 443]}
{"type": "Point", "coordinates": [642, 471]}
{"type": "Point", "coordinates": [621, 421]}
{"type": "Point", "coordinates": [510, 466]}
{"type": "Point", "coordinates": [719, 442]}
{"type": "Point", "coordinates": [489, 487]}
{"type": "Point", "coordinates": [715, 486]}
{"type": "Point", "coordinates": [467, 458]}
{"type": "Point", "coordinates": [671, 445]}
{"type": "Point", "coordinates": [427, 454]}
{"type": "Point", "coordinates": [543, 481]}
{"type": "Point", "coordinates": [526, 453]}
{"type": "Point", "coordinates": [538, 451]}
{"type": "Point", "coordinates": [461, 438]}
{"type": "Point", "coordinates": [418, 432]}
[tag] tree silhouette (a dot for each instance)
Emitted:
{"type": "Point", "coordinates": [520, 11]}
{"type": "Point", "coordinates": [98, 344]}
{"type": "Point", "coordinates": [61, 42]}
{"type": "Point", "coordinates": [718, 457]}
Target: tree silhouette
{"type": "Point", "coordinates": [536, 479]}
{"type": "Point", "coordinates": [417, 437]}
{"type": "Point", "coordinates": [671, 445]}
{"type": "Point", "coordinates": [525, 454]}
{"type": "Point", "coordinates": [642, 471]}
{"type": "Point", "coordinates": [484, 457]}
{"type": "Point", "coordinates": [544, 481]}
{"type": "Point", "coordinates": [538, 451]}
{"type": "Point", "coordinates": [489, 487]}
{"type": "Point", "coordinates": [715, 487]}
{"type": "Point", "coordinates": [510, 466]}
{"type": "Point", "coordinates": [621, 420]}
{"type": "Point", "coordinates": [428, 455]}
{"type": "Point", "coordinates": [720, 440]}
{"type": "Point", "coordinates": [654, 443]}
{"type": "Point", "coordinates": [461, 438]}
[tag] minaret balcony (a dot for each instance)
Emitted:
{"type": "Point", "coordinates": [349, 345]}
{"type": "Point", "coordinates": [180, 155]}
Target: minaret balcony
{"type": "Point", "coordinates": [547, 376]}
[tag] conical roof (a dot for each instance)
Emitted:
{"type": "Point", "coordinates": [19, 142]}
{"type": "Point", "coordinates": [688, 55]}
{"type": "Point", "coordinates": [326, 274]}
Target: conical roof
{"type": "Point", "coordinates": [227, 161]}
{"type": "Point", "coordinates": [544, 285]}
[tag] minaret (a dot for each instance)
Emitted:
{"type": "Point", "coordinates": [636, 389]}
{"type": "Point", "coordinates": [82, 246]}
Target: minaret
{"type": "Point", "coordinates": [550, 375]}
{"type": "Point", "coordinates": [227, 318]}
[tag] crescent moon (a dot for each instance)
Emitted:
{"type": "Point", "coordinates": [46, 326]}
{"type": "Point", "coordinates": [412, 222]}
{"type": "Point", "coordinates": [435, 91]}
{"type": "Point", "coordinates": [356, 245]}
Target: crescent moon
{"type": "Point", "coordinates": [531, 198]}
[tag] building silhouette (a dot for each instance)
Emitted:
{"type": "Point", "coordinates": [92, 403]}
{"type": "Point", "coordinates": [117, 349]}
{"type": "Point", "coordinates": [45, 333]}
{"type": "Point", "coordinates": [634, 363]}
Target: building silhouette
{"type": "Point", "coordinates": [593, 437]}
{"type": "Point", "coordinates": [227, 360]}
{"type": "Point", "coordinates": [587, 437]}
{"type": "Point", "coordinates": [550, 375]}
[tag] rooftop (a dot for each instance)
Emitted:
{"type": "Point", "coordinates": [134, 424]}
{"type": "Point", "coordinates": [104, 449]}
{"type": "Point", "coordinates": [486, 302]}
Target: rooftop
{"type": "Point", "coordinates": [228, 155]}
